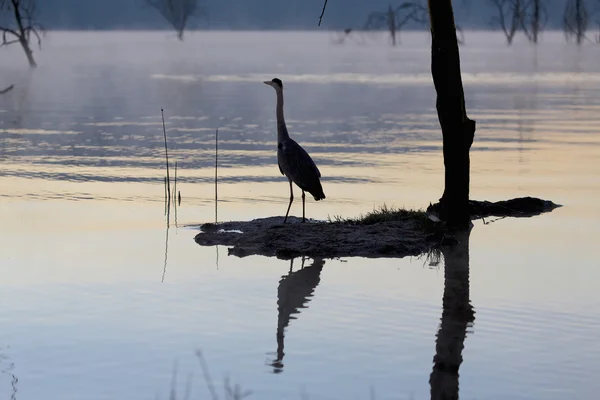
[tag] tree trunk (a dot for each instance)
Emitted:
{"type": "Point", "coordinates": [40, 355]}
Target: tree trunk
{"type": "Point", "coordinates": [28, 52]}
{"type": "Point", "coordinates": [23, 35]}
{"type": "Point", "coordinates": [392, 24]}
{"type": "Point", "coordinates": [457, 317]}
{"type": "Point", "coordinates": [579, 19]}
{"type": "Point", "coordinates": [457, 129]}
{"type": "Point", "coordinates": [536, 20]}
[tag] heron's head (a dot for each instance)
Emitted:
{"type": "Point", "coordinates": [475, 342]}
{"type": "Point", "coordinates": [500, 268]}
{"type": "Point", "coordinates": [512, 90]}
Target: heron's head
{"type": "Point", "coordinates": [275, 83]}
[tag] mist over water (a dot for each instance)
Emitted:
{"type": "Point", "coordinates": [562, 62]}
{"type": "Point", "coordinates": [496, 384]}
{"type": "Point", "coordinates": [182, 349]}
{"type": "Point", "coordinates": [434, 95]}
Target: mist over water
{"type": "Point", "coordinates": [99, 296]}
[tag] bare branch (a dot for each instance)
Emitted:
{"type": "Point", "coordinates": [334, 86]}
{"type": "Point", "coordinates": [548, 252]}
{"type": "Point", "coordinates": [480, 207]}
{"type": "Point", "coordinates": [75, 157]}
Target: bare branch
{"type": "Point", "coordinates": [31, 29]}
{"type": "Point", "coordinates": [5, 40]}
{"type": "Point", "coordinates": [22, 14]}
{"type": "Point", "coordinates": [8, 89]}
{"type": "Point", "coordinates": [322, 12]}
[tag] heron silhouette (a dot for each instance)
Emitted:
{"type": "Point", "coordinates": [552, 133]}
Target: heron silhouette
{"type": "Point", "coordinates": [294, 162]}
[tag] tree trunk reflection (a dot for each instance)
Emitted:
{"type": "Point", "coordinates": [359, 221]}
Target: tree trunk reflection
{"type": "Point", "coordinates": [457, 316]}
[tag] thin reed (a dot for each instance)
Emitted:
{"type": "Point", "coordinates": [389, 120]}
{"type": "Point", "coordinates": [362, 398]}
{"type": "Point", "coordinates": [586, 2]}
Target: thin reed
{"type": "Point", "coordinates": [216, 173]}
{"type": "Point", "coordinates": [168, 181]}
{"type": "Point", "coordinates": [175, 184]}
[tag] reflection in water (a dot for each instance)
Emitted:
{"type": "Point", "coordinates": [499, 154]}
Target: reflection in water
{"type": "Point", "coordinates": [168, 223]}
{"type": "Point", "coordinates": [294, 292]}
{"type": "Point", "coordinates": [457, 316]}
{"type": "Point", "coordinates": [7, 368]}
{"type": "Point", "coordinates": [166, 244]}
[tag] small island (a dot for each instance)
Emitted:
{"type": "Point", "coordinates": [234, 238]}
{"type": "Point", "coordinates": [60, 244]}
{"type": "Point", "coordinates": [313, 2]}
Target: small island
{"type": "Point", "coordinates": [385, 232]}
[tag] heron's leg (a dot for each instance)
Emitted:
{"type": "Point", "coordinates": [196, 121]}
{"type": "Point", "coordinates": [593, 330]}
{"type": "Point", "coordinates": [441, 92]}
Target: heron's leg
{"type": "Point", "coordinates": [303, 200]}
{"type": "Point", "coordinates": [289, 205]}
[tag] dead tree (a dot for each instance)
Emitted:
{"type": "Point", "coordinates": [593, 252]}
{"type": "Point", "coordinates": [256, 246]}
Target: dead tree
{"type": "Point", "coordinates": [575, 20]}
{"type": "Point", "coordinates": [458, 130]}
{"type": "Point", "coordinates": [23, 26]}
{"type": "Point", "coordinates": [394, 19]}
{"type": "Point", "coordinates": [509, 18]}
{"type": "Point", "coordinates": [177, 12]}
{"type": "Point", "coordinates": [534, 17]}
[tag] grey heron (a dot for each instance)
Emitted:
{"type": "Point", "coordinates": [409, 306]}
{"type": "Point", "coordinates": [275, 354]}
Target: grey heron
{"type": "Point", "coordinates": [294, 162]}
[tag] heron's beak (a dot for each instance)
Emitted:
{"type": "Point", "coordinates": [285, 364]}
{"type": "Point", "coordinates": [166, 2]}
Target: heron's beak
{"type": "Point", "coordinates": [268, 83]}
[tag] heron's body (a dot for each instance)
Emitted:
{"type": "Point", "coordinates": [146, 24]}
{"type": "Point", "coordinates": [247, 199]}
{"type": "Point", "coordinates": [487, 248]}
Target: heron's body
{"type": "Point", "coordinates": [294, 162]}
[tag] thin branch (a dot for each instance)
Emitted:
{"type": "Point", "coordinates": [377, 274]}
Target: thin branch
{"type": "Point", "coordinates": [30, 29]}
{"type": "Point", "coordinates": [8, 89]}
{"type": "Point", "coordinates": [322, 12]}
{"type": "Point", "coordinates": [5, 41]}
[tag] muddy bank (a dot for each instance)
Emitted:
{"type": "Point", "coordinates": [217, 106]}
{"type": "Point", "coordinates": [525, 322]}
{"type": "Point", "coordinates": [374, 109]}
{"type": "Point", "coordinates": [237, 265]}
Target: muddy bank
{"type": "Point", "coordinates": [270, 237]}
{"type": "Point", "coordinates": [412, 235]}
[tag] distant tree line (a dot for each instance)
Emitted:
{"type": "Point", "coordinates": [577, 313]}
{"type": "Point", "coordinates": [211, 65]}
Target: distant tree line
{"type": "Point", "coordinates": [19, 22]}
{"type": "Point", "coordinates": [529, 17]}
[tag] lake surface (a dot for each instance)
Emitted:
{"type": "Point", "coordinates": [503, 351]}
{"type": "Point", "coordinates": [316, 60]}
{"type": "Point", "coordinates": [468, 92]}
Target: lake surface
{"type": "Point", "coordinates": [101, 299]}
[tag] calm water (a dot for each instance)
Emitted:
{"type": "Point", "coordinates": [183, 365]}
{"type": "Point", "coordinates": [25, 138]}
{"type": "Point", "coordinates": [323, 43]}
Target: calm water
{"type": "Point", "coordinates": [99, 299]}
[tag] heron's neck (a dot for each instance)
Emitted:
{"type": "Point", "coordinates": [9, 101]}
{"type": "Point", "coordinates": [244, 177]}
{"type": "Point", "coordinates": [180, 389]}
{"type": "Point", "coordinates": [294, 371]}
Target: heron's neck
{"type": "Point", "coordinates": [282, 132]}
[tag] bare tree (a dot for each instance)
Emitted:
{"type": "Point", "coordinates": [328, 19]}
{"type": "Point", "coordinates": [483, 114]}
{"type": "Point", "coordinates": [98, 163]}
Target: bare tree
{"type": "Point", "coordinates": [177, 12]}
{"type": "Point", "coordinates": [394, 19]}
{"type": "Point", "coordinates": [534, 17]}
{"type": "Point", "coordinates": [23, 27]}
{"type": "Point", "coordinates": [509, 18]}
{"type": "Point", "coordinates": [575, 20]}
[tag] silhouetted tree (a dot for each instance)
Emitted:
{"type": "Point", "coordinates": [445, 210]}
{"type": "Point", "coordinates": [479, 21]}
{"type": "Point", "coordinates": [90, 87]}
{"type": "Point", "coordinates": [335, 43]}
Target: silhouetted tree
{"type": "Point", "coordinates": [458, 130]}
{"type": "Point", "coordinates": [395, 18]}
{"type": "Point", "coordinates": [23, 26]}
{"type": "Point", "coordinates": [177, 12]}
{"type": "Point", "coordinates": [534, 18]}
{"type": "Point", "coordinates": [575, 20]}
{"type": "Point", "coordinates": [509, 18]}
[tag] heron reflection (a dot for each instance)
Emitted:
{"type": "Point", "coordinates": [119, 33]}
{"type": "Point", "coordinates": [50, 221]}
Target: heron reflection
{"type": "Point", "coordinates": [293, 293]}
